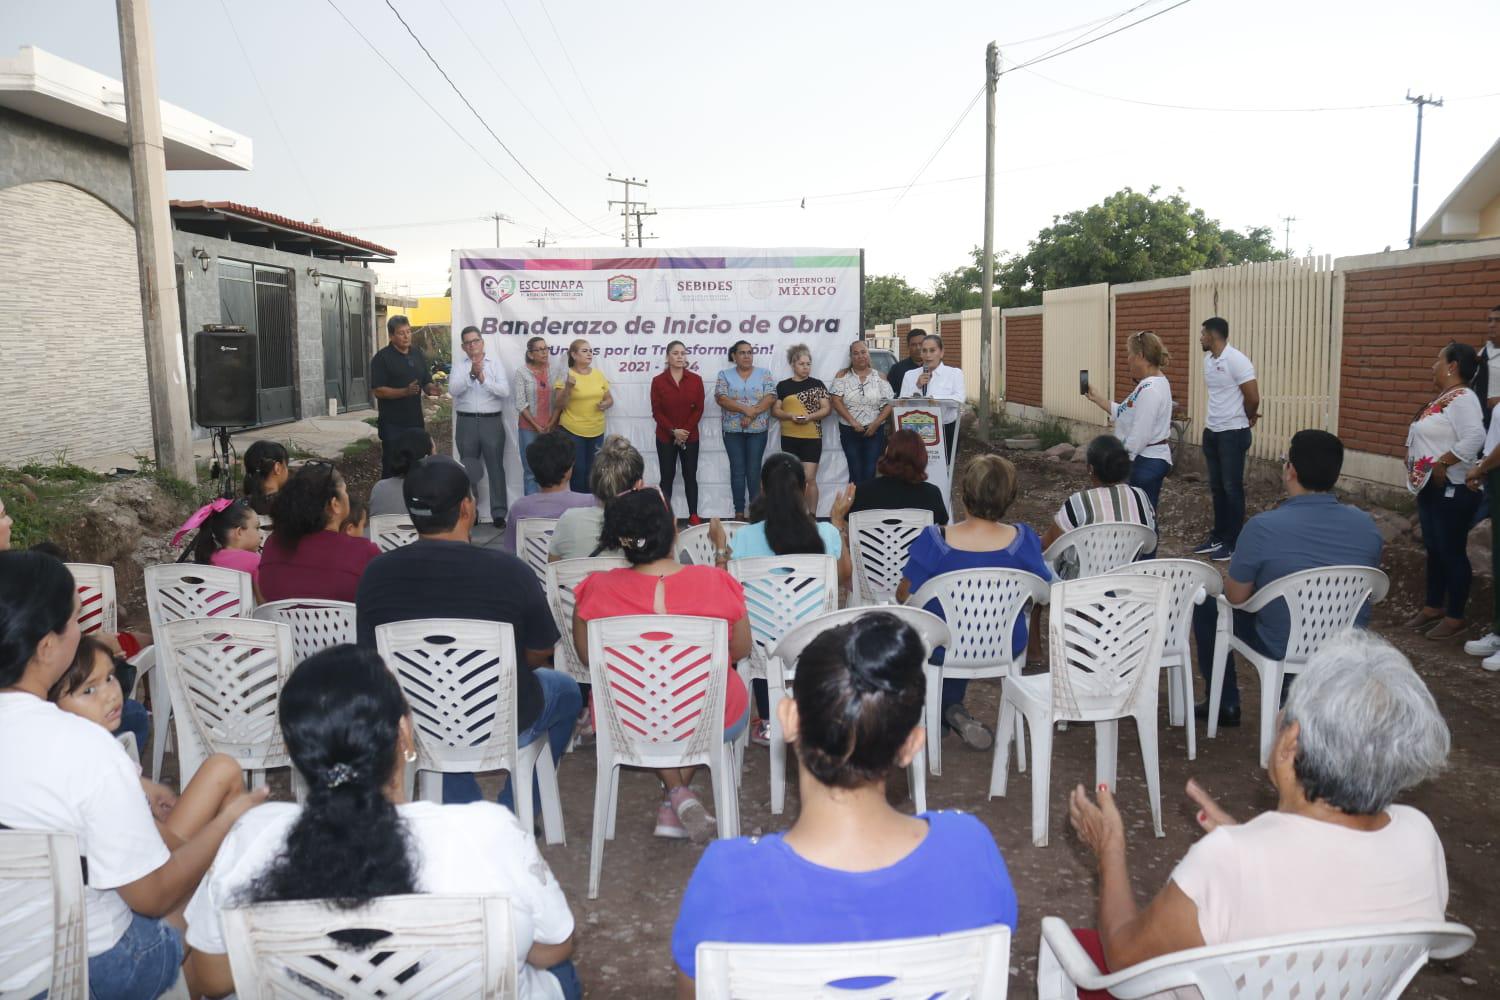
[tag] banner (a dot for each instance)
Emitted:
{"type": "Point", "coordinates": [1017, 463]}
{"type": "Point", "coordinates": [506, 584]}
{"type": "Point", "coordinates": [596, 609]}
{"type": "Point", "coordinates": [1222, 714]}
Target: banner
{"type": "Point", "coordinates": [629, 304]}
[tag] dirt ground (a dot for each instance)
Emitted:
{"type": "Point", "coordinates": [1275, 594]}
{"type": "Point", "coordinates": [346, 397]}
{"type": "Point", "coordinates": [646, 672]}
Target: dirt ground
{"type": "Point", "coordinates": [624, 936]}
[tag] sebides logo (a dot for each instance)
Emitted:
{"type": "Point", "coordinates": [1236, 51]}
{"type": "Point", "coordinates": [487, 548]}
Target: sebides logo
{"type": "Point", "coordinates": [705, 286]}
{"type": "Point", "coordinates": [498, 289]}
{"type": "Point", "coordinates": [621, 288]}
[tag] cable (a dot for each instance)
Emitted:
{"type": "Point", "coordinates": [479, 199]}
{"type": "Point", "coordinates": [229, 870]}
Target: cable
{"type": "Point", "coordinates": [1097, 38]}
{"type": "Point", "coordinates": [548, 77]}
{"type": "Point", "coordinates": [603, 125]}
{"type": "Point", "coordinates": [1053, 34]}
{"type": "Point", "coordinates": [943, 142]}
{"type": "Point", "coordinates": [275, 121]}
{"type": "Point", "coordinates": [475, 111]}
{"type": "Point", "coordinates": [1103, 23]}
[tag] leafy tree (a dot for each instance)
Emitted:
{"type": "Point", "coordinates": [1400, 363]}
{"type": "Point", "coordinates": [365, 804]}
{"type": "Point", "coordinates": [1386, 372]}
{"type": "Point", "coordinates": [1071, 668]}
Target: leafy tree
{"type": "Point", "coordinates": [888, 297]}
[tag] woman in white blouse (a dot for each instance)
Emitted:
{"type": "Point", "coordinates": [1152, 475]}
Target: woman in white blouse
{"type": "Point", "coordinates": [1441, 446]}
{"type": "Point", "coordinates": [1143, 421]}
{"type": "Point", "coordinates": [862, 399]}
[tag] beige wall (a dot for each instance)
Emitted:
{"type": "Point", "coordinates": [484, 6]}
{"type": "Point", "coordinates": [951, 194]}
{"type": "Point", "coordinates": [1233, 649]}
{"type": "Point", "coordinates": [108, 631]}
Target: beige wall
{"type": "Point", "coordinates": [1489, 219]}
{"type": "Point", "coordinates": [72, 336]}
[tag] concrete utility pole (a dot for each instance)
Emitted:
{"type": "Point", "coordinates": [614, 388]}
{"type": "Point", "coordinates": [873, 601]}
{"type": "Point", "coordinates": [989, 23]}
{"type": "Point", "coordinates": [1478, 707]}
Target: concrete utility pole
{"type": "Point", "coordinates": [166, 373]}
{"type": "Point", "coordinates": [499, 217]}
{"type": "Point", "coordinates": [1286, 246]}
{"type": "Point", "coordinates": [987, 279]}
{"type": "Point", "coordinates": [541, 242]}
{"type": "Point", "coordinates": [629, 207]}
{"type": "Point", "coordinates": [639, 229]}
{"type": "Point", "coordinates": [1421, 100]}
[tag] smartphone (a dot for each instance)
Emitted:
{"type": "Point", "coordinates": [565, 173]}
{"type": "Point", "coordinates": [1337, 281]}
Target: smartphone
{"type": "Point", "coordinates": [1083, 382]}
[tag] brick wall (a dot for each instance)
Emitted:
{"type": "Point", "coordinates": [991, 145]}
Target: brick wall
{"type": "Point", "coordinates": [1023, 360]}
{"type": "Point", "coordinates": [952, 332]}
{"type": "Point", "coordinates": [1395, 321]}
{"type": "Point", "coordinates": [1166, 312]}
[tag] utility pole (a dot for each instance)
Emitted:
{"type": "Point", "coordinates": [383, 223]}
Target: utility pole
{"type": "Point", "coordinates": [499, 217]}
{"type": "Point", "coordinates": [1286, 246]}
{"type": "Point", "coordinates": [987, 279]}
{"type": "Point", "coordinates": [541, 242]}
{"type": "Point", "coordinates": [639, 229]}
{"type": "Point", "coordinates": [1421, 101]}
{"type": "Point", "coordinates": [629, 207]}
{"type": "Point", "coordinates": [166, 373]}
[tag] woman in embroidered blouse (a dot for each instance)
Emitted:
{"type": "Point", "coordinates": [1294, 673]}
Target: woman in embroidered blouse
{"type": "Point", "coordinates": [744, 394]}
{"type": "Point", "coordinates": [1441, 446]}
{"type": "Point", "coordinates": [862, 399]}
{"type": "Point", "coordinates": [1143, 421]}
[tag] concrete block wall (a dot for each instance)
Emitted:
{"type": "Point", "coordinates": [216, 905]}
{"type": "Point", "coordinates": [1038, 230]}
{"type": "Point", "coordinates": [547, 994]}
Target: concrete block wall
{"type": "Point", "coordinates": [1023, 359]}
{"type": "Point", "coordinates": [1166, 312]}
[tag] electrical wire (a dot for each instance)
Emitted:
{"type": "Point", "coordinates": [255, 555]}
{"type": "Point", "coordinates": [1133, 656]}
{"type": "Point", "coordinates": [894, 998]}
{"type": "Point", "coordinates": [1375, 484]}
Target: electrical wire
{"type": "Point", "coordinates": [548, 77]}
{"type": "Point", "coordinates": [1102, 23]}
{"type": "Point", "coordinates": [603, 125]}
{"type": "Point", "coordinates": [1053, 54]}
{"type": "Point", "coordinates": [1053, 34]}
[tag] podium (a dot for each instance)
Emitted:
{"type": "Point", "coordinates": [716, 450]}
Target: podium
{"type": "Point", "coordinates": [929, 419]}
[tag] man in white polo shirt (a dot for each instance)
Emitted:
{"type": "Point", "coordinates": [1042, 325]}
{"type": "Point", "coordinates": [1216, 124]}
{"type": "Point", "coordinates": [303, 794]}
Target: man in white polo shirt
{"type": "Point", "coordinates": [936, 380]}
{"type": "Point", "coordinates": [1233, 408]}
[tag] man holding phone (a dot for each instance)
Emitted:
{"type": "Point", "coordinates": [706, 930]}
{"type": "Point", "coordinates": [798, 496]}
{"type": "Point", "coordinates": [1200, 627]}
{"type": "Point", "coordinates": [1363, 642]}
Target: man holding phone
{"type": "Point", "coordinates": [935, 380]}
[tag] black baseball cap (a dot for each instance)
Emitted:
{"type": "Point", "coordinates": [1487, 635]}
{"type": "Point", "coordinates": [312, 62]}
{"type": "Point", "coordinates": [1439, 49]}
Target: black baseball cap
{"type": "Point", "coordinates": [434, 486]}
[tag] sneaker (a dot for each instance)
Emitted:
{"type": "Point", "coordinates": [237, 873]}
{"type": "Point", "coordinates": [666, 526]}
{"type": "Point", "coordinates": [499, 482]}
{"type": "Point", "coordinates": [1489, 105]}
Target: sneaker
{"type": "Point", "coordinates": [760, 733]}
{"type": "Point", "coordinates": [1487, 646]}
{"type": "Point", "coordinates": [667, 823]}
{"type": "Point", "coordinates": [700, 826]}
{"type": "Point", "coordinates": [694, 521]}
{"type": "Point", "coordinates": [1491, 662]}
{"type": "Point", "coordinates": [1220, 553]}
{"type": "Point", "coordinates": [1206, 546]}
{"type": "Point", "coordinates": [975, 734]}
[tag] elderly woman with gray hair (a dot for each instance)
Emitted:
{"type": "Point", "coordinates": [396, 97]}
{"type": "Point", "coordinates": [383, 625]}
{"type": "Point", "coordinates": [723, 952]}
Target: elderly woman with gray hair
{"type": "Point", "coordinates": [1358, 728]}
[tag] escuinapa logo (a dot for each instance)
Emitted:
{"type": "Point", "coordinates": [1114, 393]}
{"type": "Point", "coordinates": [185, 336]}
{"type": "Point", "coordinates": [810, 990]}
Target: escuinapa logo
{"type": "Point", "coordinates": [621, 288]}
{"type": "Point", "coordinates": [498, 289]}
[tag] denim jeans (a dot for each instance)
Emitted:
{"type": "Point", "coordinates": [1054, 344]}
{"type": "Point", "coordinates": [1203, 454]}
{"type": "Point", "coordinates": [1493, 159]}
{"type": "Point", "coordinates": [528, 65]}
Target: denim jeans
{"type": "Point", "coordinates": [1205, 619]}
{"type": "Point", "coordinates": [1445, 524]}
{"type": "Point", "coordinates": [561, 703]}
{"type": "Point", "coordinates": [1492, 489]}
{"type": "Point", "coordinates": [524, 437]}
{"type": "Point", "coordinates": [567, 977]}
{"type": "Point", "coordinates": [584, 450]}
{"type": "Point", "coordinates": [142, 965]}
{"type": "Point", "coordinates": [745, 453]}
{"type": "Point", "coordinates": [1147, 475]}
{"type": "Point", "coordinates": [861, 452]}
{"type": "Point", "coordinates": [1224, 453]}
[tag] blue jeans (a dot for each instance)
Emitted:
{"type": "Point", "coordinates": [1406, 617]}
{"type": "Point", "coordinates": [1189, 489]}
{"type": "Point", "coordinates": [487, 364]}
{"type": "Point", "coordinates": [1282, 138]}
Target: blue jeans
{"type": "Point", "coordinates": [561, 703]}
{"type": "Point", "coordinates": [134, 719]}
{"type": "Point", "coordinates": [1205, 619]}
{"type": "Point", "coordinates": [142, 965]}
{"type": "Point", "coordinates": [1445, 524]}
{"type": "Point", "coordinates": [861, 452]}
{"type": "Point", "coordinates": [745, 453]}
{"type": "Point", "coordinates": [584, 450]}
{"type": "Point", "coordinates": [567, 977]}
{"type": "Point", "coordinates": [1147, 475]}
{"type": "Point", "coordinates": [524, 437]}
{"type": "Point", "coordinates": [1224, 453]}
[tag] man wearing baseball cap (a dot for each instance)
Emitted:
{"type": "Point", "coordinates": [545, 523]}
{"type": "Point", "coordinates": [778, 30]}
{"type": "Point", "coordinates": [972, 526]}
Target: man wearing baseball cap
{"type": "Point", "coordinates": [442, 576]}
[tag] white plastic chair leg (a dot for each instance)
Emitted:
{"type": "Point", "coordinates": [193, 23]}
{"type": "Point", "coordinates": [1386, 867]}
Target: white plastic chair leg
{"type": "Point", "coordinates": [1145, 726]}
{"type": "Point", "coordinates": [520, 786]}
{"type": "Point", "coordinates": [161, 710]}
{"type": "Point", "coordinates": [408, 778]}
{"type": "Point", "coordinates": [1000, 768]}
{"type": "Point", "coordinates": [916, 776]}
{"type": "Point", "coordinates": [1270, 704]}
{"type": "Point", "coordinates": [1174, 694]}
{"type": "Point", "coordinates": [778, 760]}
{"type": "Point", "coordinates": [1221, 657]}
{"type": "Point", "coordinates": [1184, 689]}
{"type": "Point", "coordinates": [546, 779]}
{"type": "Point", "coordinates": [614, 800]}
{"type": "Point", "coordinates": [430, 786]}
{"type": "Point", "coordinates": [1020, 737]}
{"type": "Point", "coordinates": [603, 817]}
{"type": "Point", "coordinates": [1041, 778]}
{"type": "Point", "coordinates": [934, 708]}
{"type": "Point", "coordinates": [1107, 753]}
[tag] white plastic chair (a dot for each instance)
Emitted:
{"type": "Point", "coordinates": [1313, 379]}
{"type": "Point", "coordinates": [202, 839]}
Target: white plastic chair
{"type": "Point", "coordinates": [428, 946]}
{"type": "Point", "coordinates": [391, 531]}
{"type": "Point", "coordinates": [533, 540]}
{"type": "Point", "coordinates": [1372, 963]}
{"type": "Point", "coordinates": [1320, 604]}
{"type": "Point", "coordinates": [1105, 643]}
{"type": "Point", "coordinates": [562, 578]}
{"type": "Point", "coordinates": [879, 541]}
{"type": "Point", "coordinates": [225, 677]}
{"type": "Point", "coordinates": [981, 607]}
{"type": "Point", "coordinates": [1191, 583]}
{"type": "Point", "coordinates": [659, 688]}
{"type": "Point", "coordinates": [316, 624]}
{"type": "Point", "coordinates": [98, 611]}
{"type": "Point", "coordinates": [972, 963]}
{"type": "Point", "coordinates": [782, 668]}
{"type": "Point", "coordinates": [780, 593]}
{"type": "Point", "coordinates": [459, 677]}
{"type": "Point", "coordinates": [34, 864]}
{"type": "Point", "coordinates": [128, 744]}
{"type": "Point", "coordinates": [693, 546]}
{"type": "Point", "coordinates": [175, 591]}
{"type": "Point", "coordinates": [1101, 548]}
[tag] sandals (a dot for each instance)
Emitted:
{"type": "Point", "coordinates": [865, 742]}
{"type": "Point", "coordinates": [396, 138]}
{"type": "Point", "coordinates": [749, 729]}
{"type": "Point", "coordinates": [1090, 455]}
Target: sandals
{"type": "Point", "coordinates": [1447, 630]}
{"type": "Point", "coordinates": [1420, 622]}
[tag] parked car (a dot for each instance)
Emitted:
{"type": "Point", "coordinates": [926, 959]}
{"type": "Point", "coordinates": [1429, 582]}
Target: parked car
{"type": "Point", "coordinates": [882, 360]}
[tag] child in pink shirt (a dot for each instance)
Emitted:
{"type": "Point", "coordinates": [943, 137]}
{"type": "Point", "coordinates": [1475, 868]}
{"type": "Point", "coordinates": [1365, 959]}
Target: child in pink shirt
{"type": "Point", "coordinates": [228, 536]}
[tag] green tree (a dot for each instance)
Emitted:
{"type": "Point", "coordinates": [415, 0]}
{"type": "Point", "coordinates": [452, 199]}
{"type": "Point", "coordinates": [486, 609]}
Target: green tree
{"type": "Point", "coordinates": [888, 297]}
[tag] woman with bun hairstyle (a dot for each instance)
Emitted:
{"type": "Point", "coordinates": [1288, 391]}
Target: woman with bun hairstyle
{"type": "Point", "coordinates": [1109, 498]}
{"type": "Point", "coordinates": [852, 867]}
{"type": "Point", "coordinates": [265, 472]}
{"type": "Point", "coordinates": [1143, 420]}
{"type": "Point", "coordinates": [641, 526]}
{"type": "Point", "coordinates": [349, 731]}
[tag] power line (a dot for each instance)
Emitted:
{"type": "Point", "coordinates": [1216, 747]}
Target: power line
{"type": "Point", "coordinates": [1097, 38]}
{"type": "Point", "coordinates": [480, 118]}
{"type": "Point", "coordinates": [548, 77]}
{"type": "Point", "coordinates": [603, 125]}
{"type": "Point", "coordinates": [1102, 23]}
{"type": "Point", "coordinates": [1060, 31]}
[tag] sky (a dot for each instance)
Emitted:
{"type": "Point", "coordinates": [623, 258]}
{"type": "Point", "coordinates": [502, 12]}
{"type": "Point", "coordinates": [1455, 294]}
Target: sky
{"type": "Point", "coordinates": [816, 124]}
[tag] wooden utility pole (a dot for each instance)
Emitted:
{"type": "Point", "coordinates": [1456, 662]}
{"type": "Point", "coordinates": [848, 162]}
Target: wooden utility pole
{"type": "Point", "coordinates": [987, 279]}
{"type": "Point", "coordinates": [166, 374]}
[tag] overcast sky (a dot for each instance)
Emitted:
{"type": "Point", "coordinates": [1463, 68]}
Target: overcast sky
{"type": "Point", "coordinates": [753, 107]}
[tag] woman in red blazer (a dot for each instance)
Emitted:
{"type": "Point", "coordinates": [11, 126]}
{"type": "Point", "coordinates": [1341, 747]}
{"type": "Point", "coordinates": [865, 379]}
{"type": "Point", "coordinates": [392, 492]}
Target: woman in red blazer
{"type": "Point", "coordinates": [677, 406]}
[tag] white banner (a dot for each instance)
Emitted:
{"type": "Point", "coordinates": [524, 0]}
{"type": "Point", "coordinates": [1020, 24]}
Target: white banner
{"type": "Point", "coordinates": [630, 303]}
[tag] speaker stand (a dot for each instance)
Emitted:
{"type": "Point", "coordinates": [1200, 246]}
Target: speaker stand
{"type": "Point", "coordinates": [223, 467]}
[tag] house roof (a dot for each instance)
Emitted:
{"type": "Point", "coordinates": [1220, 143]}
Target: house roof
{"type": "Point", "coordinates": [52, 89]}
{"type": "Point", "coordinates": [1458, 216]}
{"type": "Point", "coordinates": [247, 224]}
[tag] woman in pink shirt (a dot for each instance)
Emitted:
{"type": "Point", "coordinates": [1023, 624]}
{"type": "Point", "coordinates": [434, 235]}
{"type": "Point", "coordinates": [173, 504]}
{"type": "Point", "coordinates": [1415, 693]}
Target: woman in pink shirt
{"type": "Point", "coordinates": [643, 528]}
{"type": "Point", "coordinates": [307, 555]}
{"type": "Point", "coordinates": [1358, 728]}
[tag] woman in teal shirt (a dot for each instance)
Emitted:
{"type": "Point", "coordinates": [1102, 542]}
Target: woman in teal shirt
{"type": "Point", "coordinates": [744, 394]}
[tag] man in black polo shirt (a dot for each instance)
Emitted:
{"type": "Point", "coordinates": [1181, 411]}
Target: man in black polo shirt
{"type": "Point", "coordinates": [441, 575]}
{"type": "Point", "coordinates": [398, 377]}
{"type": "Point", "coordinates": [912, 360]}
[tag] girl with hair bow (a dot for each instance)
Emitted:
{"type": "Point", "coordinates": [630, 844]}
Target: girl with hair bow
{"type": "Point", "coordinates": [228, 536]}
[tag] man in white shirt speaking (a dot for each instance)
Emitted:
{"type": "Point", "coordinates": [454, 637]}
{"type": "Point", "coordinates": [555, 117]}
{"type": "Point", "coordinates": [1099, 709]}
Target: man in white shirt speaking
{"type": "Point", "coordinates": [936, 380]}
{"type": "Point", "coordinates": [1233, 408]}
{"type": "Point", "coordinates": [479, 393]}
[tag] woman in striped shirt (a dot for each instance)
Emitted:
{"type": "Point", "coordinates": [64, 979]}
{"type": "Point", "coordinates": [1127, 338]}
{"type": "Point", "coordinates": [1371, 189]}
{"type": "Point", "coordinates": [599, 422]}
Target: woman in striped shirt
{"type": "Point", "coordinates": [1109, 498]}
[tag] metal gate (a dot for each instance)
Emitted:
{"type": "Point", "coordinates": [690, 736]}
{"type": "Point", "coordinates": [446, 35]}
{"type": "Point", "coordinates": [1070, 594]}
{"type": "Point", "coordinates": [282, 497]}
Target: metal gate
{"type": "Point", "coordinates": [345, 319]}
{"type": "Point", "coordinates": [259, 298]}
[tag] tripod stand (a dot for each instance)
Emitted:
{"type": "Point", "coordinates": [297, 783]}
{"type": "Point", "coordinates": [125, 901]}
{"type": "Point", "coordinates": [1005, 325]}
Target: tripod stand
{"type": "Point", "coordinates": [222, 471]}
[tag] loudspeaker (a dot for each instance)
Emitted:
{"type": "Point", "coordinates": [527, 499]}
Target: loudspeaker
{"type": "Point", "coordinates": [224, 358]}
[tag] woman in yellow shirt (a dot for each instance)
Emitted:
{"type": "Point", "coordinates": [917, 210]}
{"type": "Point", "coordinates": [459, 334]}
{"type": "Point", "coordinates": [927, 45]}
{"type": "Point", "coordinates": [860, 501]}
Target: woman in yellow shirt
{"type": "Point", "coordinates": [581, 396]}
{"type": "Point", "coordinates": [801, 403]}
